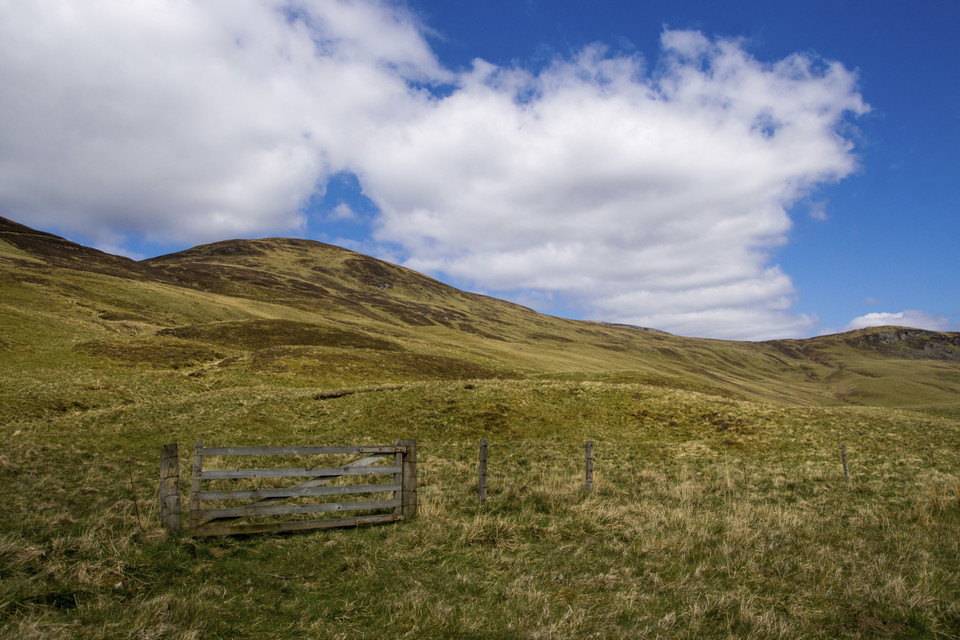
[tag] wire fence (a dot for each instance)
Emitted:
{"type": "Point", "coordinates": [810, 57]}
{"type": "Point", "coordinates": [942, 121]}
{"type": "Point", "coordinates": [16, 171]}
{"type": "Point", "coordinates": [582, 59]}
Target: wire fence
{"type": "Point", "coordinates": [121, 493]}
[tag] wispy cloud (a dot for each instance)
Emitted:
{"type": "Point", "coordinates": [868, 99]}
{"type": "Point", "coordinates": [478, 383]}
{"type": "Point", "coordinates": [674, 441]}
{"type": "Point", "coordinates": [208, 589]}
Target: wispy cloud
{"type": "Point", "coordinates": [648, 193]}
{"type": "Point", "coordinates": [818, 211]}
{"type": "Point", "coordinates": [343, 212]}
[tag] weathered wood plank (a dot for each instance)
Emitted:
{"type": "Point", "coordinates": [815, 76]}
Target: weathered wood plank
{"type": "Point", "coordinates": [291, 509]}
{"type": "Point", "coordinates": [295, 451]}
{"type": "Point", "coordinates": [398, 479]}
{"type": "Point", "coordinates": [226, 474]}
{"type": "Point", "coordinates": [300, 525]}
{"type": "Point", "coordinates": [195, 483]}
{"type": "Point", "coordinates": [169, 492]}
{"type": "Point", "coordinates": [297, 492]}
{"type": "Point", "coordinates": [316, 482]}
{"type": "Point", "coordinates": [205, 522]}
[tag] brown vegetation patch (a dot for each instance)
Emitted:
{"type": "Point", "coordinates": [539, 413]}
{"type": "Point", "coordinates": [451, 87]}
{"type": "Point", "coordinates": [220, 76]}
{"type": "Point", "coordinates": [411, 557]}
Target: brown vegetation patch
{"type": "Point", "coordinates": [373, 273]}
{"type": "Point", "coordinates": [236, 278]}
{"type": "Point", "coordinates": [383, 275]}
{"type": "Point", "coordinates": [362, 365]}
{"type": "Point", "coordinates": [305, 288]}
{"type": "Point", "coordinates": [469, 328]}
{"type": "Point", "coordinates": [123, 316]}
{"type": "Point", "coordinates": [611, 346]}
{"type": "Point", "coordinates": [879, 628]}
{"type": "Point", "coordinates": [234, 248]}
{"type": "Point", "coordinates": [263, 334]}
{"type": "Point", "coordinates": [444, 368]}
{"type": "Point", "coordinates": [161, 354]}
{"type": "Point", "coordinates": [412, 313]}
{"type": "Point", "coordinates": [550, 337]}
{"type": "Point", "coordinates": [726, 422]}
{"type": "Point", "coordinates": [494, 420]}
{"type": "Point", "coordinates": [790, 348]}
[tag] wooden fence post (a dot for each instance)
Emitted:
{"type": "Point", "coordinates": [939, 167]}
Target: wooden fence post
{"type": "Point", "coordinates": [843, 456]}
{"type": "Point", "coordinates": [589, 467]}
{"type": "Point", "coordinates": [170, 487]}
{"type": "Point", "coordinates": [398, 479]}
{"type": "Point", "coordinates": [482, 472]}
{"type": "Point", "coordinates": [409, 491]}
{"type": "Point", "coordinates": [197, 468]}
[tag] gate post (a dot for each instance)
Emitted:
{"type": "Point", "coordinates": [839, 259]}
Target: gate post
{"type": "Point", "coordinates": [408, 498]}
{"type": "Point", "coordinates": [170, 488]}
{"type": "Point", "coordinates": [196, 470]}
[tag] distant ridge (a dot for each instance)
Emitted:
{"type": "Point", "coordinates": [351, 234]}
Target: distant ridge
{"type": "Point", "coordinates": [60, 252]}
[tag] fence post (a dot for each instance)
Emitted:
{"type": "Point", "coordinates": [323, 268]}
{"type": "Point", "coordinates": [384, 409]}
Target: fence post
{"type": "Point", "coordinates": [843, 456]}
{"type": "Point", "coordinates": [589, 467]}
{"type": "Point", "coordinates": [197, 468]}
{"type": "Point", "coordinates": [398, 479]}
{"type": "Point", "coordinates": [482, 472]}
{"type": "Point", "coordinates": [170, 487]}
{"type": "Point", "coordinates": [409, 492]}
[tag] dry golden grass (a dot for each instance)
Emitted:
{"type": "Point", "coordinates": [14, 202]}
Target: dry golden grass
{"type": "Point", "coordinates": [684, 535]}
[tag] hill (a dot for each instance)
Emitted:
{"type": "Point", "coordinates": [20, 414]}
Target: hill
{"type": "Point", "coordinates": [305, 313]}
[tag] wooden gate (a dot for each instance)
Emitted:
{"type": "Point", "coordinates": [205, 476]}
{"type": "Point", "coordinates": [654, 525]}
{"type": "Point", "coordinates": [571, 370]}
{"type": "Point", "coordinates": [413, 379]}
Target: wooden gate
{"type": "Point", "coordinates": [392, 500]}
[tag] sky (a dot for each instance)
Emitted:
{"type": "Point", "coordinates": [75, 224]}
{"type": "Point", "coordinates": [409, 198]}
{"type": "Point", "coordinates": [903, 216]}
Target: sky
{"type": "Point", "coordinates": [736, 170]}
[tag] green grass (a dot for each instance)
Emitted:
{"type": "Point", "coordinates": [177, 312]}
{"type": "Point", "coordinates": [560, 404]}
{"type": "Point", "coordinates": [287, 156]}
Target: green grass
{"type": "Point", "coordinates": [710, 518]}
{"type": "Point", "coordinates": [720, 508]}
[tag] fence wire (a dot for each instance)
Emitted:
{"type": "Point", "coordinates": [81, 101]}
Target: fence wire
{"type": "Point", "coordinates": [448, 474]}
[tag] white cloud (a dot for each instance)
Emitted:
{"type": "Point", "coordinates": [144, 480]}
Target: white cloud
{"type": "Point", "coordinates": [909, 318]}
{"type": "Point", "coordinates": [189, 121]}
{"type": "Point", "coordinates": [818, 211]}
{"type": "Point", "coordinates": [343, 212]}
{"type": "Point", "coordinates": [648, 199]}
{"type": "Point", "coordinates": [647, 195]}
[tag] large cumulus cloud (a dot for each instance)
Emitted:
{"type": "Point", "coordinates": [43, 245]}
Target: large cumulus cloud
{"type": "Point", "coordinates": [654, 193]}
{"type": "Point", "coordinates": [190, 121]}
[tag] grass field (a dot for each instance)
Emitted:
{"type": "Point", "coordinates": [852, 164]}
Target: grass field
{"type": "Point", "coordinates": [720, 507]}
{"type": "Point", "coordinates": [709, 518]}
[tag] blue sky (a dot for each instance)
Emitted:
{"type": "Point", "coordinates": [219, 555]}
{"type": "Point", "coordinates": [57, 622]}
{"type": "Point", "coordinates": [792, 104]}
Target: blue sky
{"type": "Point", "coordinates": [743, 170]}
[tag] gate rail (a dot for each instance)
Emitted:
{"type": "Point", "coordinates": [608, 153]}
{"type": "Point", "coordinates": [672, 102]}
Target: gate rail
{"type": "Point", "coordinates": [307, 497]}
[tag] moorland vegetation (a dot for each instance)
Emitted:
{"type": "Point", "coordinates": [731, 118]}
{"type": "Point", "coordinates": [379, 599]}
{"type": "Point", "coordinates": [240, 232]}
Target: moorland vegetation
{"type": "Point", "coordinates": [720, 506]}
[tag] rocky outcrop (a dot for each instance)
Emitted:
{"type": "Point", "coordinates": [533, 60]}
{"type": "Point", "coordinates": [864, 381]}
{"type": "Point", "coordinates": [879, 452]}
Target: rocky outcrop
{"type": "Point", "coordinates": [913, 344]}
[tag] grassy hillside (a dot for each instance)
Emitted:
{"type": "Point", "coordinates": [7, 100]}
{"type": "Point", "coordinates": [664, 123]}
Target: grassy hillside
{"type": "Point", "coordinates": [720, 507]}
{"type": "Point", "coordinates": [297, 312]}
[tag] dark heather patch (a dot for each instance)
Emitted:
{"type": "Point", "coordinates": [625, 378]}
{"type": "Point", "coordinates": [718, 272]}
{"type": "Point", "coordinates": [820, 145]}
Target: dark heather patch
{"type": "Point", "coordinates": [263, 334]}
